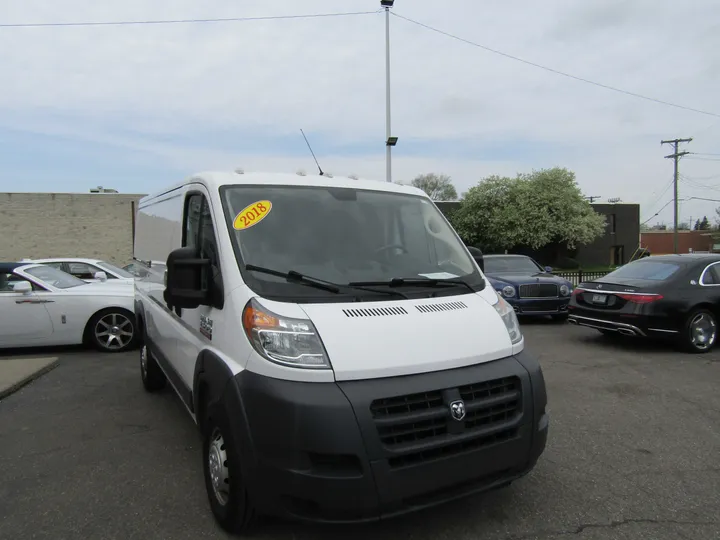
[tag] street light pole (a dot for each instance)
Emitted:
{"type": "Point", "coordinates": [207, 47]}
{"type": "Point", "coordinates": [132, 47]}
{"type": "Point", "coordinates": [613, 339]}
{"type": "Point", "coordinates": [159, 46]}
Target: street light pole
{"type": "Point", "coordinates": [390, 141]}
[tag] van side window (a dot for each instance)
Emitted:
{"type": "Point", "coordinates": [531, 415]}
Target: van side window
{"type": "Point", "coordinates": [200, 234]}
{"type": "Point", "coordinates": [193, 206]}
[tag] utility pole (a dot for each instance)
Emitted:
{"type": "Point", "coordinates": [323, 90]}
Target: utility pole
{"type": "Point", "coordinates": [390, 141]}
{"type": "Point", "coordinates": [676, 157]}
{"type": "Point", "coordinates": [592, 198]}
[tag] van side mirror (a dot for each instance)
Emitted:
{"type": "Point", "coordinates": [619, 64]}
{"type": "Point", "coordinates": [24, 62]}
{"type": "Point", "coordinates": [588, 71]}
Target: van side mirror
{"type": "Point", "coordinates": [548, 269]}
{"type": "Point", "coordinates": [481, 262]}
{"type": "Point", "coordinates": [23, 287]}
{"type": "Point", "coordinates": [478, 256]}
{"type": "Point", "coordinates": [187, 283]}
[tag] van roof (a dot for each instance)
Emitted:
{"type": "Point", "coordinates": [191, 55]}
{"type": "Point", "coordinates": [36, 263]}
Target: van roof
{"type": "Point", "coordinates": [214, 180]}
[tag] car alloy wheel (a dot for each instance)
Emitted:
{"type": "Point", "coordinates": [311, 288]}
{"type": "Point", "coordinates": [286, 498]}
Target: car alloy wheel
{"type": "Point", "coordinates": [703, 331]}
{"type": "Point", "coordinates": [114, 331]}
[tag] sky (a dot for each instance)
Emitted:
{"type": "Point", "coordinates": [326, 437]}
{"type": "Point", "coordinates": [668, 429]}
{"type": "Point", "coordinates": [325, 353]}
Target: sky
{"type": "Point", "coordinates": [137, 107]}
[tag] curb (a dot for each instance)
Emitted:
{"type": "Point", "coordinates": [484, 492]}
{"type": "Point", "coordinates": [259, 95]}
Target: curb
{"type": "Point", "coordinates": [5, 392]}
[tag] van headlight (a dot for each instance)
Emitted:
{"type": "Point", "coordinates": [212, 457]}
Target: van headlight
{"type": "Point", "coordinates": [507, 314]}
{"type": "Point", "coordinates": [286, 341]}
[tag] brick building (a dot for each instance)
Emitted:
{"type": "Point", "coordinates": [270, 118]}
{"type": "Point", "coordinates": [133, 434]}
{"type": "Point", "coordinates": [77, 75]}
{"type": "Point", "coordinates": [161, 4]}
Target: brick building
{"type": "Point", "coordinates": [662, 242]}
{"type": "Point", "coordinates": [96, 225]}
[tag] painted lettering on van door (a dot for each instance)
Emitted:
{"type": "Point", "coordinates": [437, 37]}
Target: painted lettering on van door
{"type": "Point", "coordinates": [252, 215]}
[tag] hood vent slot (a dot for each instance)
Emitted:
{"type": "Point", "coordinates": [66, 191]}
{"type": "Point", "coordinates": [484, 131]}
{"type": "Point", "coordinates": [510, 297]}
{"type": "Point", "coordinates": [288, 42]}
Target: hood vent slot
{"type": "Point", "coordinates": [447, 306]}
{"type": "Point", "coordinates": [374, 312]}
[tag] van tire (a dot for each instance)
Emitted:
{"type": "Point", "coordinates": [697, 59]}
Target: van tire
{"type": "Point", "coordinates": [229, 503]}
{"type": "Point", "coordinates": [153, 378]}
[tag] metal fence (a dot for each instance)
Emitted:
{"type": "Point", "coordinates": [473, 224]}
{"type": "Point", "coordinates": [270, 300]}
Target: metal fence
{"type": "Point", "coordinates": [578, 276]}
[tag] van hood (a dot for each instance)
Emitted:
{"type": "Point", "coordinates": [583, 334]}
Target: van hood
{"type": "Point", "coordinates": [387, 339]}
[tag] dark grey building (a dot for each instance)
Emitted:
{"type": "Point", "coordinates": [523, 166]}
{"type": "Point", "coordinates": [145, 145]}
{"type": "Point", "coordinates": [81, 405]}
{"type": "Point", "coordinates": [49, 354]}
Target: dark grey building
{"type": "Point", "coordinates": [616, 246]}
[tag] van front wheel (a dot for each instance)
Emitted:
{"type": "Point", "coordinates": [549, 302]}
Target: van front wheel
{"type": "Point", "coordinates": [224, 484]}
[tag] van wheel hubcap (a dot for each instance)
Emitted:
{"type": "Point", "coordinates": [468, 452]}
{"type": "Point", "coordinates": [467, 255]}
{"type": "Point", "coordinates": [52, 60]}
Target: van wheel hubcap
{"type": "Point", "coordinates": [217, 467]}
{"type": "Point", "coordinates": [114, 331]}
{"type": "Point", "coordinates": [703, 331]}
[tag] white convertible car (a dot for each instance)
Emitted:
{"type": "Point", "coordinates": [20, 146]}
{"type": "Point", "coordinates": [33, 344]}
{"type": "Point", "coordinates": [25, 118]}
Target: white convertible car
{"type": "Point", "coordinates": [89, 270]}
{"type": "Point", "coordinates": [42, 306]}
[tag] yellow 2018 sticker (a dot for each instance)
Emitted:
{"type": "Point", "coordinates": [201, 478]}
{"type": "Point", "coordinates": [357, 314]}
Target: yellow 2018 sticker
{"type": "Point", "coordinates": [252, 215]}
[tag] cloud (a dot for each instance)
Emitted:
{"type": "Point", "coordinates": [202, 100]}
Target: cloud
{"type": "Point", "coordinates": [178, 98]}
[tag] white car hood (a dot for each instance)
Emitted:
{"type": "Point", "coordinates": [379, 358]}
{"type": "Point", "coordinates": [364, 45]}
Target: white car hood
{"type": "Point", "coordinates": [386, 339]}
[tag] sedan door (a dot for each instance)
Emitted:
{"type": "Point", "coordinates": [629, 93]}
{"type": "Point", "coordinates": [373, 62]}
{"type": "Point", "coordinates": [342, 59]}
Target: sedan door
{"type": "Point", "coordinates": [24, 318]}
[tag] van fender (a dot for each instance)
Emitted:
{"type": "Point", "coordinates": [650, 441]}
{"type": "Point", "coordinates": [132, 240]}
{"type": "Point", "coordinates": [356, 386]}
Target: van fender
{"type": "Point", "coordinates": [215, 389]}
{"type": "Point", "coordinates": [140, 319]}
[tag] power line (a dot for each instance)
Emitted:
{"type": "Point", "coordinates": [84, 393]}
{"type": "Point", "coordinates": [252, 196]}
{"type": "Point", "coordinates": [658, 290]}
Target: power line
{"type": "Point", "coordinates": [557, 72]}
{"type": "Point", "coordinates": [655, 201]}
{"type": "Point", "coordinates": [658, 212]}
{"type": "Point", "coordinates": [187, 21]}
{"type": "Point", "coordinates": [704, 154]}
{"type": "Point", "coordinates": [703, 159]}
{"type": "Point", "coordinates": [697, 184]}
{"type": "Point", "coordinates": [702, 177]}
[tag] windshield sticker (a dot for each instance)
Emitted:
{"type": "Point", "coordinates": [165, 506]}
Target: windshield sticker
{"type": "Point", "coordinates": [252, 215]}
{"type": "Point", "coordinates": [439, 275]}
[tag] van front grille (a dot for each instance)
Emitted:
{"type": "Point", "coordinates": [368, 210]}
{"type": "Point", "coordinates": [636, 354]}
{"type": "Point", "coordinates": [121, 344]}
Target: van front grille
{"type": "Point", "coordinates": [420, 427]}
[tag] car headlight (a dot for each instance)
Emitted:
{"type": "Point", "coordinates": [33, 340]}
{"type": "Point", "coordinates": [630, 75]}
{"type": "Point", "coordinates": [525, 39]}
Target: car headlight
{"type": "Point", "coordinates": [564, 290]}
{"type": "Point", "coordinates": [286, 341]}
{"type": "Point", "coordinates": [508, 291]}
{"type": "Point", "coordinates": [507, 313]}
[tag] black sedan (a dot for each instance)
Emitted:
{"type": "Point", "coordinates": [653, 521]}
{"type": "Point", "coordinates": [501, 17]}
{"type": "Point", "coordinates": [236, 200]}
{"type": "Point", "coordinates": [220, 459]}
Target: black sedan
{"type": "Point", "coordinates": [666, 296]}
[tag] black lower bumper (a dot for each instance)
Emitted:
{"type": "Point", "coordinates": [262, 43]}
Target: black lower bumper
{"type": "Point", "coordinates": [364, 450]}
{"type": "Point", "coordinates": [529, 307]}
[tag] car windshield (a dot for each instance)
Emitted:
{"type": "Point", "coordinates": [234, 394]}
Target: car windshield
{"type": "Point", "coordinates": [53, 276]}
{"type": "Point", "coordinates": [342, 235]}
{"type": "Point", "coordinates": [114, 269]}
{"type": "Point", "coordinates": [511, 265]}
{"type": "Point", "coordinates": [644, 269]}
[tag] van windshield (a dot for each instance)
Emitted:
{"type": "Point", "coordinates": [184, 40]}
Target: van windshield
{"type": "Point", "coordinates": [342, 235]}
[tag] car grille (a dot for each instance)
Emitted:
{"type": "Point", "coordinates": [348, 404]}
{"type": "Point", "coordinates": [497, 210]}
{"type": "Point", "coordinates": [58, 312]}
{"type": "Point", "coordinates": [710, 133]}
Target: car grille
{"type": "Point", "coordinates": [419, 427]}
{"type": "Point", "coordinates": [538, 290]}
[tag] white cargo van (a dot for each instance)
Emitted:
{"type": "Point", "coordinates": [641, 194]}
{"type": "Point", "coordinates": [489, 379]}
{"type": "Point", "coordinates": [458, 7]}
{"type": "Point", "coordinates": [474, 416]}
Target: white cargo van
{"type": "Point", "coordinates": [339, 349]}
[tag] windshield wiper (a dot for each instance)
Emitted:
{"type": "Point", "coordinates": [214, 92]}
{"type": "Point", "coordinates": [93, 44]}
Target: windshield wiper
{"type": "Point", "coordinates": [296, 277]}
{"type": "Point", "coordinates": [413, 282]}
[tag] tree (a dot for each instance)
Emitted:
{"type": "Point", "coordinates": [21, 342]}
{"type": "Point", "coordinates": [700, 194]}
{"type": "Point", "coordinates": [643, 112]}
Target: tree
{"type": "Point", "coordinates": [532, 210]}
{"type": "Point", "coordinates": [439, 187]}
{"type": "Point", "coordinates": [684, 226]}
{"type": "Point", "coordinates": [702, 224]}
{"type": "Point", "coordinates": [354, 177]}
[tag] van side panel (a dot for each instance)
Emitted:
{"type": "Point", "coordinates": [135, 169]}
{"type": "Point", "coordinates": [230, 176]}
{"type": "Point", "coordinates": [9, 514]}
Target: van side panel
{"type": "Point", "coordinates": [159, 226]}
{"type": "Point", "coordinates": [158, 232]}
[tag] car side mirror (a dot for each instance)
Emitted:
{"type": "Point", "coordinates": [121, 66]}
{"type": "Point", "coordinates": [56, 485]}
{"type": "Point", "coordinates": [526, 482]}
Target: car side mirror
{"type": "Point", "coordinates": [187, 282]}
{"type": "Point", "coordinates": [548, 269]}
{"type": "Point", "coordinates": [23, 287]}
{"type": "Point", "coordinates": [100, 276]}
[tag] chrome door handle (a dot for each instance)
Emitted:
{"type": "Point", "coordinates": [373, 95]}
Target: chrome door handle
{"type": "Point", "coordinates": [34, 301]}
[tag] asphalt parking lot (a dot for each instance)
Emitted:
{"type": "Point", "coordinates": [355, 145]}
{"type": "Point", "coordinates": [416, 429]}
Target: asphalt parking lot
{"type": "Point", "coordinates": [633, 453]}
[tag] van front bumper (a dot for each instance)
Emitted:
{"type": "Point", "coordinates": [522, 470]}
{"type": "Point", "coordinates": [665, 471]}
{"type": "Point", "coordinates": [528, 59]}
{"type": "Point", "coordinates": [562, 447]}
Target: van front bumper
{"type": "Point", "coordinates": [364, 450]}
